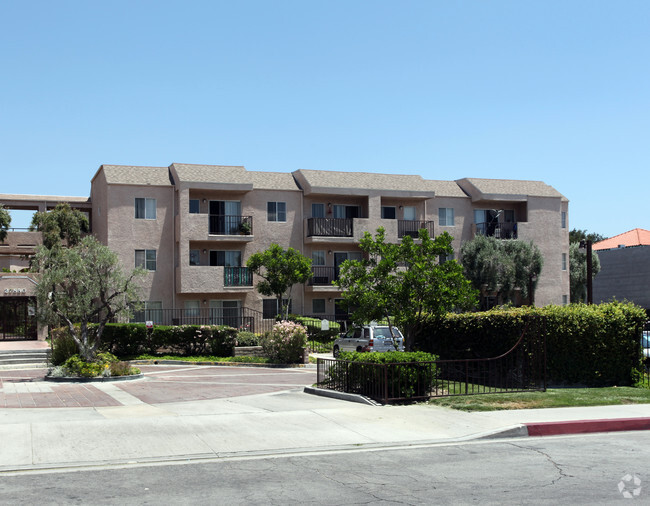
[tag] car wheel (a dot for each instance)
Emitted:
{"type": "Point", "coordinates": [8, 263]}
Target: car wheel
{"type": "Point", "coordinates": [335, 351]}
{"type": "Point", "coordinates": [359, 349]}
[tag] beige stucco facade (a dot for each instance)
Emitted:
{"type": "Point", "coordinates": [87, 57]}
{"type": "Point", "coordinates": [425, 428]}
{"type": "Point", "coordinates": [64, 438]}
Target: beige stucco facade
{"type": "Point", "coordinates": [198, 225]}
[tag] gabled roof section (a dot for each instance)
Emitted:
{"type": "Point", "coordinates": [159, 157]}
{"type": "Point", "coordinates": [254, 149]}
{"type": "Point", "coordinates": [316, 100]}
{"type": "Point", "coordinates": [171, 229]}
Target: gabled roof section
{"type": "Point", "coordinates": [506, 189]}
{"type": "Point", "coordinates": [636, 237]}
{"type": "Point", "coordinates": [135, 175]}
{"type": "Point", "coordinates": [273, 181]}
{"type": "Point", "coordinates": [446, 188]}
{"type": "Point", "coordinates": [224, 177]}
{"type": "Point", "coordinates": [337, 182]}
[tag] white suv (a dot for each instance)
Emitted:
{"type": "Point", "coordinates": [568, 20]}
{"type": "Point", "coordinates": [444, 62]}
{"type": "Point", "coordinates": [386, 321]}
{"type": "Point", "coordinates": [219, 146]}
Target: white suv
{"type": "Point", "coordinates": [375, 338]}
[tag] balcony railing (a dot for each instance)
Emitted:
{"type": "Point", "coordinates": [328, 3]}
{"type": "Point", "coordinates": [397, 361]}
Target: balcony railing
{"type": "Point", "coordinates": [237, 276]}
{"type": "Point", "coordinates": [497, 230]}
{"type": "Point", "coordinates": [329, 227]}
{"type": "Point", "coordinates": [230, 225]}
{"type": "Point", "coordinates": [412, 228]}
{"type": "Point", "coordinates": [323, 276]}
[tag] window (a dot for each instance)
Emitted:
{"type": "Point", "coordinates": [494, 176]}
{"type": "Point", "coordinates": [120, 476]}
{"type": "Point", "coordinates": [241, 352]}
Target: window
{"type": "Point", "coordinates": [195, 206]}
{"type": "Point", "coordinates": [270, 307]}
{"type": "Point", "coordinates": [509, 216]}
{"type": "Point", "coordinates": [318, 257]}
{"type": "Point", "coordinates": [225, 258]}
{"type": "Point", "coordinates": [565, 300]}
{"type": "Point", "coordinates": [145, 209]}
{"type": "Point", "coordinates": [446, 216]}
{"type": "Point", "coordinates": [564, 261]}
{"type": "Point", "coordinates": [276, 211]}
{"type": "Point", "coordinates": [151, 311]}
{"type": "Point", "coordinates": [445, 257]}
{"type": "Point", "coordinates": [318, 305]}
{"type": "Point", "coordinates": [409, 213]}
{"type": "Point", "coordinates": [388, 212]}
{"type": "Point", "coordinates": [563, 219]}
{"type": "Point", "coordinates": [348, 212]}
{"type": "Point", "coordinates": [318, 210]}
{"type": "Point", "coordinates": [146, 259]}
{"type": "Point", "coordinates": [192, 308]}
{"type": "Point", "coordinates": [195, 257]}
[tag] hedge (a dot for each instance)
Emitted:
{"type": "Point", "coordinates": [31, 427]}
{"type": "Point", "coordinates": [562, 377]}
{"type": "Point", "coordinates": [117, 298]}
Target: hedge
{"type": "Point", "coordinates": [586, 344]}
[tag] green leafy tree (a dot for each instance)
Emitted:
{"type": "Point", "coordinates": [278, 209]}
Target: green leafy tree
{"type": "Point", "coordinates": [62, 223]}
{"type": "Point", "coordinates": [404, 284]}
{"type": "Point", "coordinates": [5, 221]}
{"type": "Point", "coordinates": [578, 271]}
{"type": "Point", "coordinates": [80, 285]}
{"type": "Point", "coordinates": [576, 235]}
{"type": "Point", "coordinates": [279, 269]}
{"type": "Point", "coordinates": [502, 266]}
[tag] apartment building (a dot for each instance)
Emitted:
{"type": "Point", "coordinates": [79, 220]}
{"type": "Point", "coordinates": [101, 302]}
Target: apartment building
{"type": "Point", "coordinates": [193, 227]}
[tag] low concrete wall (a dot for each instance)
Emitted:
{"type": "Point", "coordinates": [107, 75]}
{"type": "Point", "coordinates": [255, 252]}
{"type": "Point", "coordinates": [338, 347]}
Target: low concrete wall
{"type": "Point", "coordinates": [249, 351]}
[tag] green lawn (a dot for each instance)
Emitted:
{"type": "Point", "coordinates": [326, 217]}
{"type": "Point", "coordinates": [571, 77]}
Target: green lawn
{"type": "Point", "coordinates": [552, 398]}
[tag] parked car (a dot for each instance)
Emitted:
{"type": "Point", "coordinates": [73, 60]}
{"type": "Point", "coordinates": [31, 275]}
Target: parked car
{"type": "Point", "coordinates": [370, 338]}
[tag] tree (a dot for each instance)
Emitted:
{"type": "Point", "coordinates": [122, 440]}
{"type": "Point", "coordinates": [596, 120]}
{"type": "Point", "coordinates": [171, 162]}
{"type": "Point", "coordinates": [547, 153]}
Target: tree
{"type": "Point", "coordinates": [279, 269]}
{"type": "Point", "coordinates": [81, 285]}
{"type": "Point", "coordinates": [5, 221]}
{"type": "Point", "coordinates": [62, 223]}
{"type": "Point", "coordinates": [502, 266]}
{"type": "Point", "coordinates": [576, 235]}
{"type": "Point", "coordinates": [578, 271]}
{"type": "Point", "coordinates": [405, 284]}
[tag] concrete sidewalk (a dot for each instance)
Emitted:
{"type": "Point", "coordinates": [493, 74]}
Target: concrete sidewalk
{"type": "Point", "coordinates": [285, 422]}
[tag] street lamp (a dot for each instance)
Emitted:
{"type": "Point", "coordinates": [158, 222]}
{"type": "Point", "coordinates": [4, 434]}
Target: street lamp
{"type": "Point", "coordinates": [585, 245]}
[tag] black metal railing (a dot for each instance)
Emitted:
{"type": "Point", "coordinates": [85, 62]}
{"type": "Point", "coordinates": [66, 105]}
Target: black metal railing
{"type": "Point", "coordinates": [17, 319]}
{"type": "Point", "coordinates": [242, 318]}
{"type": "Point", "coordinates": [523, 368]}
{"type": "Point", "coordinates": [498, 230]}
{"type": "Point", "coordinates": [323, 276]}
{"type": "Point", "coordinates": [412, 228]}
{"type": "Point", "coordinates": [329, 227]}
{"type": "Point", "coordinates": [230, 225]}
{"type": "Point", "coordinates": [237, 276]}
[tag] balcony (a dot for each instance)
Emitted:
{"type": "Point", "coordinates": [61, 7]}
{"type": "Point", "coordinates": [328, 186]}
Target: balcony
{"type": "Point", "coordinates": [237, 276]}
{"type": "Point", "coordinates": [329, 227]}
{"type": "Point", "coordinates": [323, 276]}
{"type": "Point", "coordinates": [230, 225]}
{"type": "Point", "coordinates": [497, 230]}
{"type": "Point", "coordinates": [413, 227]}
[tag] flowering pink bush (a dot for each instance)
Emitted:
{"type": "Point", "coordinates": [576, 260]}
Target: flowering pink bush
{"type": "Point", "coordinates": [285, 343]}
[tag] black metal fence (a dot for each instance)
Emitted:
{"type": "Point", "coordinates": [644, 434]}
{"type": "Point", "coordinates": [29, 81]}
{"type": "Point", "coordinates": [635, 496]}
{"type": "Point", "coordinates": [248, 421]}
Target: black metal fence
{"type": "Point", "coordinates": [500, 230]}
{"type": "Point", "coordinates": [329, 227]}
{"type": "Point", "coordinates": [412, 228]}
{"type": "Point", "coordinates": [522, 368]}
{"type": "Point", "coordinates": [230, 225]}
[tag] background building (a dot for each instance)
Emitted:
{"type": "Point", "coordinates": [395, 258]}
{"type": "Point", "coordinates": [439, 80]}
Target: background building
{"type": "Point", "coordinates": [193, 227]}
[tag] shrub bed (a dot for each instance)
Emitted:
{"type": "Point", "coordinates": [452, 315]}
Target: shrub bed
{"type": "Point", "coordinates": [593, 345]}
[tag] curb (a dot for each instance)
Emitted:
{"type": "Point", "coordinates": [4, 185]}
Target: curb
{"type": "Point", "coordinates": [100, 379]}
{"type": "Point", "coordinates": [587, 426]}
{"type": "Point", "coordinates": [343, 396]}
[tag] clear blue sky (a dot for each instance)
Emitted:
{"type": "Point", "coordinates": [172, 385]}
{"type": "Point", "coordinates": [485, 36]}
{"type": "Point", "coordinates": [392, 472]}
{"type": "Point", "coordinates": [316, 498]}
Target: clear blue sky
{"type": "Point", "coordinates": [548, 90]}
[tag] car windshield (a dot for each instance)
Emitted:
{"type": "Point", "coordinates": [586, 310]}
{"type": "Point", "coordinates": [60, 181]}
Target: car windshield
{"type": "Point", "coordinates": [385, 332]}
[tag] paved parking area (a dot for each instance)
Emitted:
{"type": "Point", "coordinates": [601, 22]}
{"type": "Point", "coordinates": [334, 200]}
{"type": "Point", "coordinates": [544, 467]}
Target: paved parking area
{"type": "Point", "coordinates": [161, 384]}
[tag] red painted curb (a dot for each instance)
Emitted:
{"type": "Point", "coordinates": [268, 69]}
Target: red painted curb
{"type": "Point", "coordinates": [586, 426]}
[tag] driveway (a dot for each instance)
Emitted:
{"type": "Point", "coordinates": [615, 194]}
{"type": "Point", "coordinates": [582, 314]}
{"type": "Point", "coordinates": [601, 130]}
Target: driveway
{"type": "Point", "coordinates": [161, 384]}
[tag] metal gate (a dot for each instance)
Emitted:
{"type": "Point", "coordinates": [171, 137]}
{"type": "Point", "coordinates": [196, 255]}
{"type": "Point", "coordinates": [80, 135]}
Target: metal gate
{"type": "Point", "coordinates": [18, 319]}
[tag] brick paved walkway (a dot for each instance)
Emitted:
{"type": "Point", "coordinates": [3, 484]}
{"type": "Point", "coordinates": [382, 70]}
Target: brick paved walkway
{"type": "Point", "coordinates": [161, 384]}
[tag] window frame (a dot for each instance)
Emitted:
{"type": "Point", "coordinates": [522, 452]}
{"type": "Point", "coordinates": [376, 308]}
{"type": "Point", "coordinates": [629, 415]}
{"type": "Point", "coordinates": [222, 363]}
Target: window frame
{"type": "Point", "coordinates": [320, 301]}
{"type": "Point", "coordinates": [391, 210]}
{"type": "Point", "coordinates": [276, 211]}
{"type": "Point", "coordinates": [446, 217]}
{"type": "Point", "coordinates": [146, 262]}
{"type": "Point", "coordinates": [145, 209]}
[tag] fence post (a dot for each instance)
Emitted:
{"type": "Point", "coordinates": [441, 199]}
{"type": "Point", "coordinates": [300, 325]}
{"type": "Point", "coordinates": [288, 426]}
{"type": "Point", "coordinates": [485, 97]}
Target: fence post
{"type": "Point", "coordinates": [385, 383]}
{"type": "Point", "coordinates": [466, 376]}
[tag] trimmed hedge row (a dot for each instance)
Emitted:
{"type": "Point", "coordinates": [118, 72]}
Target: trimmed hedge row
{"type": "Point", "coordinates": [132, 339]}
{"type": "Point", "coordinates": [586, 344]}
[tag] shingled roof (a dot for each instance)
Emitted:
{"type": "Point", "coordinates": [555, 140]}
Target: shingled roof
{"type": "Point", "coordinates": [136, 175]}
{"type": "Point", "coordinates": [506, 189]}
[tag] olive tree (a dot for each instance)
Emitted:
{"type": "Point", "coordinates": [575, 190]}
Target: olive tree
{"type": "Point", "coordinates": [279, 269]}
{"type": "Point", "coordinates": [502, 266]}
{"type": "Point", "coordinates": [61, 223]}
{"type": "Point", "coordinates": [406, 284]}
{"type": "Point", "coordinates": [5, 221]}
{"type": "Point", "coordinates": [80, 285]}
